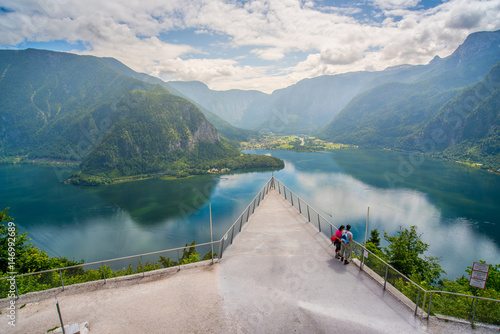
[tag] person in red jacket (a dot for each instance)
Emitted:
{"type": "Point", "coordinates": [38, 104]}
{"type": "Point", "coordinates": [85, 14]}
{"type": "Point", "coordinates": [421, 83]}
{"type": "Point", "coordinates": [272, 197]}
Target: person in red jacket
{"type": "Point", "coordinates": [336, 240]}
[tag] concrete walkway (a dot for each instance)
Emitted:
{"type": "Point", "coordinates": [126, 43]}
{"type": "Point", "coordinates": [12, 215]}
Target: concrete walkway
{"type": "Point", "coordinates": [278, 276]}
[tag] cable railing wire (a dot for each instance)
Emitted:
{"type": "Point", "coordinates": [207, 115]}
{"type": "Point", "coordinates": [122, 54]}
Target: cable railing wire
{"type": "Point", "coordinates": [363, 252]}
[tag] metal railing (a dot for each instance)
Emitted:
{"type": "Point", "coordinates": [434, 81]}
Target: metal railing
{"type": "Point", "coordinates": [98, 270]}
{"type": "Point", "coordinates": [101, 270]}
{"type": "Point", "coordinates": [391, 279]}
{"type": "Point", "coordinates": [244, 217]}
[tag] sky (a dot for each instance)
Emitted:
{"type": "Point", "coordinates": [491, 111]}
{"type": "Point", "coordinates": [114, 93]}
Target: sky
{"type": "Point", "coordinates": [260, 45]}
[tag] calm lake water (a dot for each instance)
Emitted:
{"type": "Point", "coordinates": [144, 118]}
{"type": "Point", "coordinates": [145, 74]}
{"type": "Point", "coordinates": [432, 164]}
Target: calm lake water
{"type": "Point", "coordinates": [456, 209]}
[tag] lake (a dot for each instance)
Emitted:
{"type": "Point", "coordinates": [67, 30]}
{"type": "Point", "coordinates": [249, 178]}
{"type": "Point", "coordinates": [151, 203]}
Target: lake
{"type": "Point", "coordinates": [456, 208]}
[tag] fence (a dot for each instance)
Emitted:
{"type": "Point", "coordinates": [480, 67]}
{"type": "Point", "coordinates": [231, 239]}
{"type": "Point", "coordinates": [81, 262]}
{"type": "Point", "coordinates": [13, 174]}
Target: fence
{"type": "Point", "coordinates": [446, 303]}
{"type": "Point", "coordinates": [101, 270]}
{"type": "Point", "coordinates": [137, 264]}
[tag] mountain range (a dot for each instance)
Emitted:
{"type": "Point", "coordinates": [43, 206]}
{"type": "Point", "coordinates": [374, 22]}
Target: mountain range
{"type": "Point", "coordinates": [392, 108]}
{"type": "Point", "coordinates": [308, 105]}
{"type": "Point", "coordinates": [117, 122]}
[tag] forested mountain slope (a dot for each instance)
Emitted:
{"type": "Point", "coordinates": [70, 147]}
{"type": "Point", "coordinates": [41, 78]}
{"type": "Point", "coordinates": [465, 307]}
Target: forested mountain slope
{"type": "Point", "coordinates": [79, 109]}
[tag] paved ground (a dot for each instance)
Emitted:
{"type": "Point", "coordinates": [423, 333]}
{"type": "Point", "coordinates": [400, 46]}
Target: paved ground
{"type": "Point", "coordinates": [187, 301]}
{"type": "Point", "coordinates": [279, 276]}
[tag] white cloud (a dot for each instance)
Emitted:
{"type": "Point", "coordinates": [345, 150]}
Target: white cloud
{"type": "Point", "coordinates": [394, 4]}
{"type": "Point", "coordinates": [342, 55]}
{"type": "Point", "coordinates": [269, 54]}
{"type": "Point", "coordinates": [274, 29]}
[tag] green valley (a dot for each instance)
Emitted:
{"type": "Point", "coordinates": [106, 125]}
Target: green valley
{"type": "Point", "coordinates": [293, 143]}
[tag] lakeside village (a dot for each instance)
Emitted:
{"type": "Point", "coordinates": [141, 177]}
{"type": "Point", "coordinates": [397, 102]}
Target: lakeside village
{"type": "Point", "coordinates": [296, 143]}
{"type": "Point", "coordinates": [292, 143]}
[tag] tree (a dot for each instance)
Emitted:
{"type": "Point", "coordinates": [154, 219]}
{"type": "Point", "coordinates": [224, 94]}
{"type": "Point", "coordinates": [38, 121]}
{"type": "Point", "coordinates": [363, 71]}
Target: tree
{"type": "Point", "coordinates": [12, 245]}
{"type": "Point", "coordinates": [18, 254]}
{"type": "Point", "coordinates": [404, 251]}
{"type": "Point", "coordinates": [374, 238]}
{"type": "Point", "coordinates": [3, 216]}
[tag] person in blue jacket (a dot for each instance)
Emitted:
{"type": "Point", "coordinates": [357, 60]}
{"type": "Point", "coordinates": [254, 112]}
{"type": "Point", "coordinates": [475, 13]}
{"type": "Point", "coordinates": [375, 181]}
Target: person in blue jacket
{"type": "Point", "coordinates": [345, 247]}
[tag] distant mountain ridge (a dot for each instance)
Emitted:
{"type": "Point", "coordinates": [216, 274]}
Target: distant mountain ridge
{"type": "Point", "coordinates": [404, 115]}
{"type": "Point", "coordinates": [311, 103]}
{"type": "Point", "coordinates": [229, 105]}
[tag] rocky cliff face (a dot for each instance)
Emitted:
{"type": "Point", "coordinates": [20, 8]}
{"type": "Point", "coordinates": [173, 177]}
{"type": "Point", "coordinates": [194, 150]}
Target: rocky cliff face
{"type": "Point", "coordinates": [205, 133]}
{"type": "Point", "coordinates": [477, 44]}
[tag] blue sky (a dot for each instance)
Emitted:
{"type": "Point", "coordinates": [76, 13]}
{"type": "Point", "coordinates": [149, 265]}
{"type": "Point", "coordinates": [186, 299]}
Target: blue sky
{"type": "Point", "coordinates": [263, 45]}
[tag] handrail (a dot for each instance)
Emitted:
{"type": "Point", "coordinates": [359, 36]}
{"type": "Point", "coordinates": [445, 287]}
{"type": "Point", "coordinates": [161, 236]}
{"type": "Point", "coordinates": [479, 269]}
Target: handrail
{"type": "Point", "coordinates": [363, 247]}
{"type": "Point", "coordinates": [247, 208]}
{"type": "Point", "coordinates": [463, 295]}
{"type": "Point", "coordinates": [264, 190]}
{"type": "Point", "coordinates": [108, 260]}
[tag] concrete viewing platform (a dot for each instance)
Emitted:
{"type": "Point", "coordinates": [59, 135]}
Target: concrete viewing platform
{"type": "Point", "coordinates": [278, 276]}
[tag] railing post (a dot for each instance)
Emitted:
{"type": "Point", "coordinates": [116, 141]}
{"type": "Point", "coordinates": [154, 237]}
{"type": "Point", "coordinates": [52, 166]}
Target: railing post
{"type": "Point", "coordinates": [474, 314]}
{"type": "Point", "coordinates": [291, 197]}
{"type": "Point", "coordinates": [279, 188]}
{"type": "Point", "coordinates": [241, 221]}
{"type": "Point", "coordinates": [284, 190]}
{"type": "Point", "coordinates": [308, 215]}
{"type": "Point", "coordinates": [142, 264]}
{"type": "Point", "coordinates": [300, 209]}
{"type": "Point", "coordinates": [62, 282]}
{"type": "Point", "coordinates": [103, 272]}
{"type": "Point", "coordinates": [386, 272]}
{"type": "Point", "coordinates": [17, 291]}
{"type": "Point", "coordinates": [221, 248]}
{"type": "Point", "coordinates": [232, 235]}
{"type": "Point", "coordinates": [178, 257]}
{"type": "Point", "coordinates": [253, 210]}
{"type": "Point", "coordinates": [423, 304]}
{"type": "Point", "coordinates": [429, 309]}
{"type": "Point", "coordinates": [60, 318]}
{"type": "Point", "coordinates": [363, 250]}
{"type": "Point", "coordinates": [319, 227]}
{"type": "Point", "coordinates": [416, 307]}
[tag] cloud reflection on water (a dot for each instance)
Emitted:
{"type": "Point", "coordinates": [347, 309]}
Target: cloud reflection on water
{"type": "Point", "coordinates": [346, 199]}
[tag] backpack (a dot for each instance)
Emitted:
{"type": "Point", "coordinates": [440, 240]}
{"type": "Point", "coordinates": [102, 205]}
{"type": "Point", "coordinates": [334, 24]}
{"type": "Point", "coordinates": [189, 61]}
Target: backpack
{"type": "Point", "coordinates": [344, 238]}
